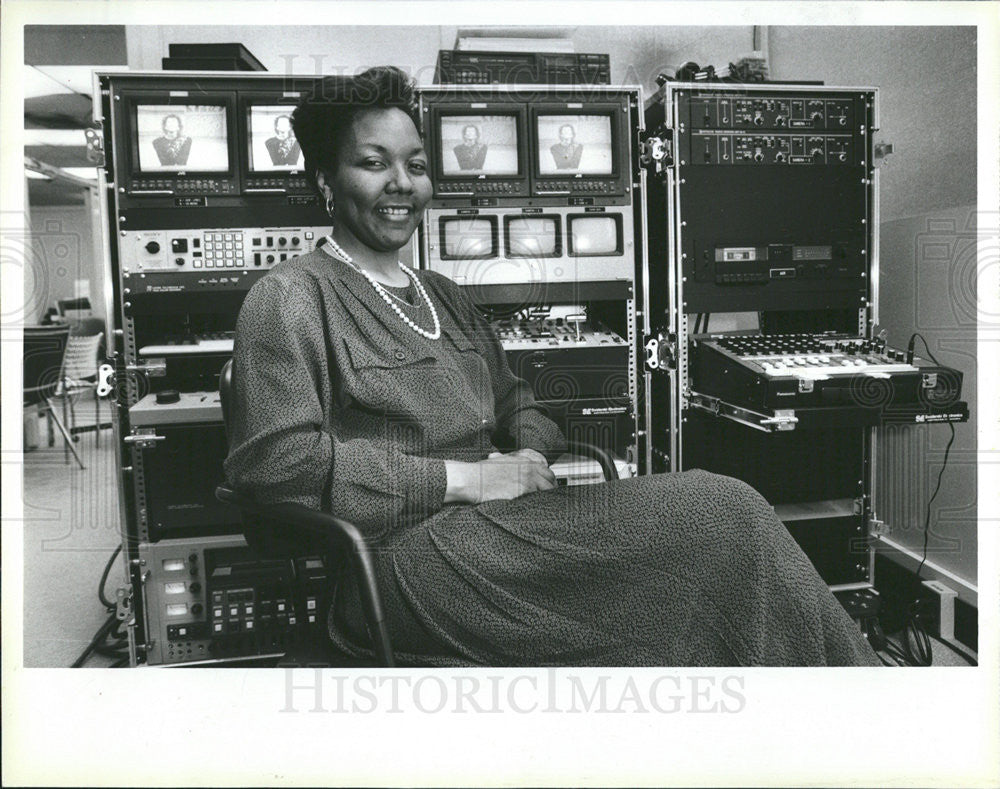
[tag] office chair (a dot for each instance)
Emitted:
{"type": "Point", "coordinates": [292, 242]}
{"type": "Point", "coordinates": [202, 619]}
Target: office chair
{"type": "Point", "coordinates": [289, 530]}
{"type": "Point", "coordinates": [44, 354]}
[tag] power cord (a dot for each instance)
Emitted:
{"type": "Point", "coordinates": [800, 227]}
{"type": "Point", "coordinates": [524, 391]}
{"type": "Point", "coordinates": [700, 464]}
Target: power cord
{"type": "Point", "coordinates": [117, 646]}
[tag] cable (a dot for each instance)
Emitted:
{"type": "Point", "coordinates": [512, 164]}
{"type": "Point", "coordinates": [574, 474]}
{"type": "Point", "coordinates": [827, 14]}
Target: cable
{"type": "Point", "coordinates": [104, 579]}
{"type": "Point", "coordinates": [927, 517]}
{"type": "Point", "coordinates": [910, 346]}
{"type": "Point", "coordinates": [96, 641]}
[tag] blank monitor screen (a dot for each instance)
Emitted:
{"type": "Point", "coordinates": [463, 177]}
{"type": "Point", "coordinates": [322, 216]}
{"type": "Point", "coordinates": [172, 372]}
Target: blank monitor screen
{"type": "Point", "coordinates": [571, 144]}
{"type": "Point", "coordinates": [533, 236]}
{"type": "Point", "coordinates": [182, 138]}
{"type": "Point", "coordinates": [479, 145]}
{"type": "Point", "coordinates": [272, 142]}
{"type": "Point", "coordinates": [595, 235]}
{"type": "Point", "coordinates": [464, 238]}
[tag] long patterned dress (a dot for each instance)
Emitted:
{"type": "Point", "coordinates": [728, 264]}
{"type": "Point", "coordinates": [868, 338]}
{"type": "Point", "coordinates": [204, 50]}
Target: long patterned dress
{"type": "Point", "coordinates": [339, 405]}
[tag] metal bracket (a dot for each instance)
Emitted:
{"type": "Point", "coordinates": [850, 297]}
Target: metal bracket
{"type": "Point", "coordinates": [143, 438]}
{"type": "Point", "coordinates": [661, 352]}
{"type": "Point", "coordinates": [154, 368]}
{"type": "Point", "coordinates": [878, 528]}
{"type": "Point", "coordinates": [781, 420]}
{"type": "Point", "coordinates": [105, 380]}
{"type": "Point", "coordinates": [881, 152]}
{"type": "Point", "coordinates": [95, 143]}
{"type": "Point", "coordinates": [123, 604]}
{"type": "Point", "coordinates": [656, 150]}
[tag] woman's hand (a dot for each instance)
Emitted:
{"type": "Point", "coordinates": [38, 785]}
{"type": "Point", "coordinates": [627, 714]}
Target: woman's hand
{"type": "Point", "coordinates": [498, 477]}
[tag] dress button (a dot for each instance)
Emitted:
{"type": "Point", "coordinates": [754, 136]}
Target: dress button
{"type": "Point", "coordinates": [400, 356]}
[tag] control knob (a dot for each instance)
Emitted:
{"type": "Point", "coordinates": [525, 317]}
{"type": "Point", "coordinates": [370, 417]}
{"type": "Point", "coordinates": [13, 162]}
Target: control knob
{"type": "Point", "coordinates": [758, 156]}
{"type": "Point", "coordinates": [179, 261]}
{"type": "Point", "coordinates": [153, 247]}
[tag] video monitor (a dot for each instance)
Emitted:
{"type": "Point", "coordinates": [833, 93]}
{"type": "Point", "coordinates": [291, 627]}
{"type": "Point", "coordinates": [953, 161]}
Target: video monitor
{"type": "Point", "coordinates": [533, 236]}
{"type": "Point", "coordinates": [271, 143]}
{"type": "Point", "coordinates": [474, 145]}
{"type": "Point", "coordinates": [468, 237]}
{"type": "Point", "coordinates": [572, 144]}
{"type": "Point", "coordinates": [176, 138]}
{"type": "Point", "coordinates": [591, 235]}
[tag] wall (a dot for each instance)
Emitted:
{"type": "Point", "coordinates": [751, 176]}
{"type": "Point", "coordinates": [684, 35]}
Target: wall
{"type": "Point", "coordinates": [927, 81]}
{"type": "Point", "coordinates": [65, 250]}
{"type": "Point", "coordinates": [637, 53]}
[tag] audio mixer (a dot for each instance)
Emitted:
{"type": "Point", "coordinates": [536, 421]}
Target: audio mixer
{"type": "Point", "coordinates": [812, 370]}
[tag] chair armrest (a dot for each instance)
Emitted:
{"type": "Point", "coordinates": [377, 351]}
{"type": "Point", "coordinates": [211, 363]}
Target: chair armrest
{"type": "Point", "coordinates": [334, 535]}
{"type": "Point", "coordinates": [594, 452]}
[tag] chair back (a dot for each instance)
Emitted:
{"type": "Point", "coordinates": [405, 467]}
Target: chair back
{"type": "Point", "coordinates": [44, 351]}
{"type": "Point", "coordinates": [264, 535]}
{"type": "Point", "coordinates": [80, 361]}
{"type": "Point", "coordinates": [225, 392]}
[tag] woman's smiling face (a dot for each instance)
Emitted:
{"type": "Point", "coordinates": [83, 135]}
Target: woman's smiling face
{"type": "Point", "coordinates": [381, 185]}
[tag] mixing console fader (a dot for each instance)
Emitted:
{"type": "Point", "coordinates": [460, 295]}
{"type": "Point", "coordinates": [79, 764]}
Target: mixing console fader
{"type": "Point", "coordinates": [815, 370]}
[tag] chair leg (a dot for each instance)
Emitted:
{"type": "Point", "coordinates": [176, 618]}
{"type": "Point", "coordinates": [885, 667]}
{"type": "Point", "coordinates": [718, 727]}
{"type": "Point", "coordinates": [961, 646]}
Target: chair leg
{"type": "Point", "coordinates": [97, 418]}
{"type": "Point", "coordinates": [72, 418]}
{"type": "Point", "coordinates": [69, 441]}
{"type": "Point", "coordinates": [66, 436]}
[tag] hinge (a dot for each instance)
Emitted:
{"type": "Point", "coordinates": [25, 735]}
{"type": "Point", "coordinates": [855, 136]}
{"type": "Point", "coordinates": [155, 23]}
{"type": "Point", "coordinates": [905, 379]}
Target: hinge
{"type": "Point", "coordinates": [656, 150]}
{"type": "Point", "coordinates": [661, 351]}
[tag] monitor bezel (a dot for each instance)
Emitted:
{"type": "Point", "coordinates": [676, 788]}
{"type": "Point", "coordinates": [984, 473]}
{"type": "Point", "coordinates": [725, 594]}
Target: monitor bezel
{"type": "Point", "coordinates": [134, 99]}
{"type": "Point", "coordinates": [493, 219]}
{"type": "Point", "coordinates": [612, 110]}
{"type": "Point", "coordinates": [619, 221]}
{"type": "Point", "coordinates": [560, 236]}
{"type": "Point", "coordinates": [463, 109]}
{"type": "Point", "coordinates": [246, 102]}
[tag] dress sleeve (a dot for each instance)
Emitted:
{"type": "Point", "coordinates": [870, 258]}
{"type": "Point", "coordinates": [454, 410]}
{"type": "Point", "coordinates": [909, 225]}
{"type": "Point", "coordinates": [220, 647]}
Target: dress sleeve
{"type": "Point", "coordinates": [514, 406]}
{"type": "Point", "coordinates": [282, 445]}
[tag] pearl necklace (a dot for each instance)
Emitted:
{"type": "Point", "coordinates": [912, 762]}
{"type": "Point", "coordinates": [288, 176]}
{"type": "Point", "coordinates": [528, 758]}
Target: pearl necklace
{"type": "Point", "coordinates": [337, 251]}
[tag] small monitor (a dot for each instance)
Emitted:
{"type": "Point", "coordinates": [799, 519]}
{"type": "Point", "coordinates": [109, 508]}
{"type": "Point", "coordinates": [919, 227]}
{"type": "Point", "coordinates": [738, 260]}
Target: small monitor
{"type": "Point", "coordinates": [591, 235]}
{"type": "Point", "coordinates": [473, 145]}
{"type": "Point", "coordinates": [271, 142]}
{"type": "Point", "coordinates": [572, 144]}
{"type": "Point", "coordinates": [175, 138]}
{"type": "Point", "coordinates": [468, 237]}
{"type": "Point", "coordinates": [533, 236]}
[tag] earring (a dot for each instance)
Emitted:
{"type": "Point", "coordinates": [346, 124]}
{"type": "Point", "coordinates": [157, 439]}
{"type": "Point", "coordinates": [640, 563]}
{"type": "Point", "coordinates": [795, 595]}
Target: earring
{"type": "Point", "coordinates": [329, 205]}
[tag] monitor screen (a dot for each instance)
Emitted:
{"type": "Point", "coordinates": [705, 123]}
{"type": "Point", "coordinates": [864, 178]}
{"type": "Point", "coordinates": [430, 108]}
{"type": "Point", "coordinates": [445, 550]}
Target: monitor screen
{"type": "Point", "coordinates": [272, 142]}
{"type": "Point", "coordinates": [571, 144]}
{"type": "Point", "coordinates": [595, 235]}
{"type": "Point", "coordinates": [533, 236]}
{"type": "Point", "coordinates": [464, 238]}
{"type": "Point", "coordinates": [478, 145]}
{"type": "Point", "coordinates": [182, 138]}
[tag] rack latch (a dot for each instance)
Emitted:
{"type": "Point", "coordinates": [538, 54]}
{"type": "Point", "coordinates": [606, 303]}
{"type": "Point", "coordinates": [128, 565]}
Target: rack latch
{"type": "Point", "coordinates": [661, 352]}
{"type": "Point", "coordinates": [656, 150]}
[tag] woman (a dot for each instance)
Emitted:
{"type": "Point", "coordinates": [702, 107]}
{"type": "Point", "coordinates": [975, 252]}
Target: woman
{"type": "Point", "coordinates": [373, 391]}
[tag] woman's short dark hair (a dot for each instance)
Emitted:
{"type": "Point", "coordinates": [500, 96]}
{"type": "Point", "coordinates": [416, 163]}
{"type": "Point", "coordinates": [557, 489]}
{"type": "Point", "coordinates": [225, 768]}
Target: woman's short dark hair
{"type": "Point", "coordinates": [323, 117]}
